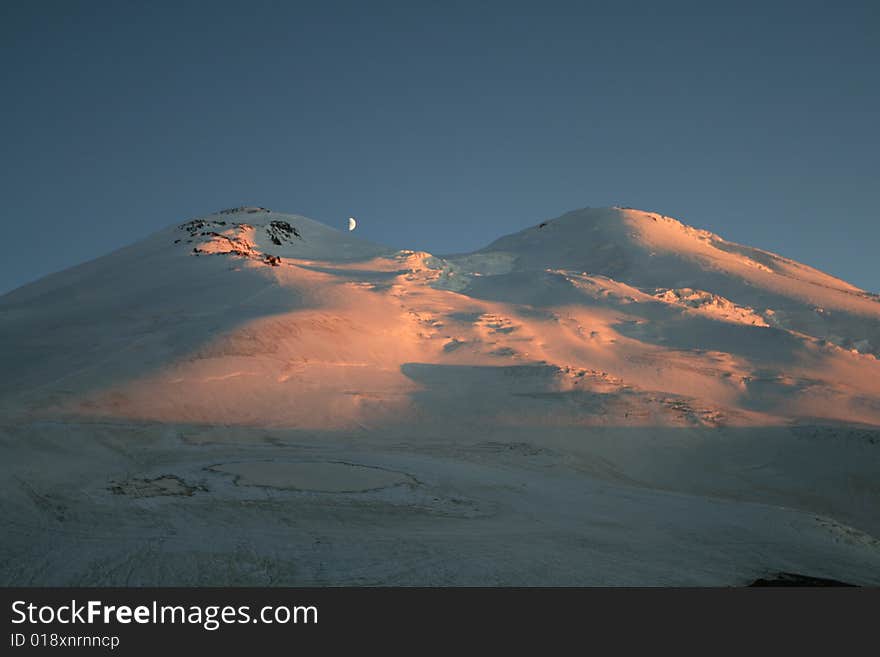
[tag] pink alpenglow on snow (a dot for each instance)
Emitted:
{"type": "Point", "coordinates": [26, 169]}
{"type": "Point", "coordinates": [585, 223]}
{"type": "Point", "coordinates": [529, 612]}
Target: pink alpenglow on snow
{"type": "Point", "coordinates": [249, 385]}
{"type": "Point", "coordinates": [600, 317]}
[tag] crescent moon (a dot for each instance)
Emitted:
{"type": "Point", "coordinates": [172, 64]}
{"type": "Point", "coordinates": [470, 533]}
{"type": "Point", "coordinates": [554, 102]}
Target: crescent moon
{"type": "Point", "coordinates": [352, 224]}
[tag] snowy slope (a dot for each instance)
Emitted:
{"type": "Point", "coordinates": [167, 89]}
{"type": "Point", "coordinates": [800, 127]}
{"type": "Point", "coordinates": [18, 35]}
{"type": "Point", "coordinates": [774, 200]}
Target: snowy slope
{"type": "Point", "coordinates": [607, 345]}
{"type": "Point", "coordinates": [147, 305]}
{"type": "Point", "coordinates": [651, 251]}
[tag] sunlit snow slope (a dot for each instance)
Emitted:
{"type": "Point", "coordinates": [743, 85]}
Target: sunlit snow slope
{"type": "Point", "coordinates": [600, 317]}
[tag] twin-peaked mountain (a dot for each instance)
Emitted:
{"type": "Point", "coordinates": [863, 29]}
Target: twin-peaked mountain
{"type": "Point", "coordinates": [600, 317]}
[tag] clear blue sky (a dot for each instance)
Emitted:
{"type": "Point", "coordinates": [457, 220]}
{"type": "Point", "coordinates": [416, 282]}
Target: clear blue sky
{"type": "Point", "coordinates": [440, 125]}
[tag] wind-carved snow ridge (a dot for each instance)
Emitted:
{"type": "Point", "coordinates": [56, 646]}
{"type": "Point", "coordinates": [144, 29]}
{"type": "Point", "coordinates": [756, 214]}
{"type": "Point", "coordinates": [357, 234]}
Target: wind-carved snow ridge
{"type": "Point", "coordinates": [712, 305]}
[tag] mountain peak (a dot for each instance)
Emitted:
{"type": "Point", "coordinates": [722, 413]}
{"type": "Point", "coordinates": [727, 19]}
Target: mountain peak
{"type": "Point", "coordinates": [261, 234]}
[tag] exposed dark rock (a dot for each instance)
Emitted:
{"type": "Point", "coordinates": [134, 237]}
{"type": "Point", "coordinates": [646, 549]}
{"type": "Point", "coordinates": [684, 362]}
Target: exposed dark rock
{"type": "Point", "coordinates": [164, 485]}
{"type": "Point", "coordinates": [281, 231]}
{"type": "Point", "coordinates": [795, 579]}
{"type": "Point", "coordinates": [243, 208]}
{"type": "Point", "coordinates": [198, 226]}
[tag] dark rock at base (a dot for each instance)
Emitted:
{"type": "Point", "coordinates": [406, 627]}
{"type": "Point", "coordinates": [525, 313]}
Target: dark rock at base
{"type": "Point", "coordinates": [795, 579]}
{"type": "Point", "coordinates": [164, 485]}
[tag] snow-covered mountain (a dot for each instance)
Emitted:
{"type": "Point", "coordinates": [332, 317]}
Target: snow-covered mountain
{"type": "Point", "coordinates": [603, 342]}
{"type": "Point", "coordinates": [605, 316]}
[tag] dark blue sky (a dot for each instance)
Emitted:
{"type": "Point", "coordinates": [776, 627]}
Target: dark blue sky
{"type": "Point", "coordinates": [440, 125]}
